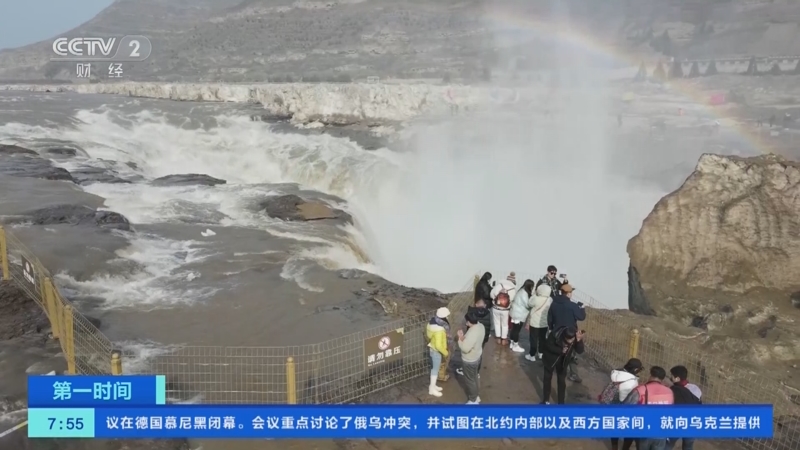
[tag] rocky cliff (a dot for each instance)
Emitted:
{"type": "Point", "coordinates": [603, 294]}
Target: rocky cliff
{"type": "Point", "coordinates": [334, 103]}
{"type": "Point", "coordinates": [722, 253]}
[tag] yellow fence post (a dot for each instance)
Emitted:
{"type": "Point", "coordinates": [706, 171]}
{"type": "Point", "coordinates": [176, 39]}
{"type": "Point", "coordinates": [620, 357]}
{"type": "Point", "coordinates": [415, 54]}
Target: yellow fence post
{"type": "Point", "coordinates": [291, 382]}
{"type": "Point", "coordinates": [6, 275]}
{"type": "Point", "coordinates": [69, 339]}
{"type": "Point", "coordinates": [116, 362]}
{"type": "Point", "coordinates": [633, 347]}
{"type": "Point", "coordinates": [51, 305]}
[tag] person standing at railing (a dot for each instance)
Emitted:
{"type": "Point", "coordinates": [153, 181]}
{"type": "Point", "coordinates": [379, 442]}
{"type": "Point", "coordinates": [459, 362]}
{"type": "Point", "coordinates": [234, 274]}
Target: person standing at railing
{"type": "Point", "coordinates": [685, 393]}
{"type": "Point", "coordinates": [471, 354]}
{"type": "Point", "coordinates": [537, 321]}
{"type": "Point", "coordinates": [437, 331]}
{"type": "Point", "coordinates": [551, 279]}
{"type": "Point", "coordinates": [563, 313]}
{"type": "Point", "coordinates": [484, 316]}
{"type": "Point", "coordinates": [483, 290]}
{"type": "Point", "coordinates": [560, 347]}
{"type": "Point", "coordinates": [502, 293]}
{"type": "Point", "coordinates": [520, 311]}
{"type": "Point", "coordinates": [651, 393]}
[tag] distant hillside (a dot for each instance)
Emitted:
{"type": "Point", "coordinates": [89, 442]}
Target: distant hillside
{"type": "Point", "coordinates": [259, 40]}
{"type": "Point", "coordinates": [253, 40]}
{"type": "Point", "coordinates": [714, 28]}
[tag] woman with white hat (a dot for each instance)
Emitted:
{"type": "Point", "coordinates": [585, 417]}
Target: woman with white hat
{"type": "Point", "coordinates": [437, 331]}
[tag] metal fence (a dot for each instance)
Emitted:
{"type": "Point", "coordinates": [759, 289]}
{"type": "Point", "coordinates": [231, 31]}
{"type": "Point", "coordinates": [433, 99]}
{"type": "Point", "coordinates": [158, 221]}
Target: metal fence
{"type": "Point", "coordinates": [85, 348]}
{"type": "Point", "coordinates": [340, 370]}
{"type": "Point", "coordinates": [348, 368]}
{"type": "Point", "coordinates": [613, 338]}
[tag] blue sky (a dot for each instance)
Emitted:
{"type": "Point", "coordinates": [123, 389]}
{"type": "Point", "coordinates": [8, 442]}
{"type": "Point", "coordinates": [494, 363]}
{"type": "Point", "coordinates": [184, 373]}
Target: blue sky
{"type": "Point", "coordinates": [24, 22]}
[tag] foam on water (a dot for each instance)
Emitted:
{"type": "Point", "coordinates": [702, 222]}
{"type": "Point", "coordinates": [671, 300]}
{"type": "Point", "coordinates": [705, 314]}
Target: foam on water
{"type": "Point", "coordinates": [158, 279]}
{"type": "Point", "coordinates": [507, 191]}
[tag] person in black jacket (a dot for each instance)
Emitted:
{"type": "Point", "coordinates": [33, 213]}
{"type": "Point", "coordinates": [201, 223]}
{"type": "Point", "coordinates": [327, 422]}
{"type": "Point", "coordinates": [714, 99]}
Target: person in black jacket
{"type": "Point", "coordinates": [684, 393]}
{"type": "Point", "coordinates": [483, 290]}
{"type": "Point", "coordinates": [563, 313]}
{"type": "Point", "coordinates": [484, 316]}
{"type": "Point", "coordinates": [551, 279]}
{"type": "Point", "coordinates": [559, 349]}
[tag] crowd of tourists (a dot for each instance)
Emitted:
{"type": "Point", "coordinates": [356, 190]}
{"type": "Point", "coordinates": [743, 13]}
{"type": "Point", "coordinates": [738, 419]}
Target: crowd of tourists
{"type": "Point", "coordinates": [625, 389]}
{"type": "Point", "coordinates": [546, 310]}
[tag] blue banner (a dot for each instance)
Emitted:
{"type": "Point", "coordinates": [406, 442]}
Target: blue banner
{"type": "Point", "coordinates": [405, 421]}
{"type": "Point", "coordinates": [89, 392]}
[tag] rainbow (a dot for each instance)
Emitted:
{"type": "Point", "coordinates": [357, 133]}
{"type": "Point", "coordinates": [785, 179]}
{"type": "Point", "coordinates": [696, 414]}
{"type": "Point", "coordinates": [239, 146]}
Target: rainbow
{"type": "Point", "coordinates": [581, 39]}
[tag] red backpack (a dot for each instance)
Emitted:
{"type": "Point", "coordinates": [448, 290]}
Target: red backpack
{"type": "Point", "coordinates": [610, 394]}
{"type": "Point", "coordinates": [502, 300]}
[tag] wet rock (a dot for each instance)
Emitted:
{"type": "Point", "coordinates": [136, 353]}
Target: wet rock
{"type": "Point", "coordinates": [19, 315]}
{"type": "Point", "coordinates": [62, 151]}
{"type": "Point", "coordinates": [270, 117]}
{"type": "Point", "coordinates": [16, 150]}
{"type": "Point", "coordinates": [78, 215]}
{"type": "Point", "coordinates": [90, 175]}
{"type": "Point", "coordinates": [26, 165]}
{"type": "Point", "coordinates": [402, 301]}
{"type": "Point", "coordinates": [294, 208]}
{"type": "Point", "coordinates": [350, 274]}
{"type": "Point", "coordinates": [795, 299]}
{"type": "Point", "coordinates": [637, 299]}
{"type": "Point", "coordinates": [8, 405]}
{"type": "Point", "coordinates": [187, 179]}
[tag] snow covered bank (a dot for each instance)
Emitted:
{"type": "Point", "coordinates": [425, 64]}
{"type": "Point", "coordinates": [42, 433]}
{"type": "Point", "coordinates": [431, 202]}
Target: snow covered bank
{"type": "Point", "coordinates": [328, 103]}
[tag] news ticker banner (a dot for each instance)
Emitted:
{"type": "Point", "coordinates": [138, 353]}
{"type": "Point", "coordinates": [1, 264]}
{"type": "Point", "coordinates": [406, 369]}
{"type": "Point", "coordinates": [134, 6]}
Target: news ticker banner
{"type": "Point", "coordinates": [96, 391]}
{"type": "Point", "coordinates": [403, 421]}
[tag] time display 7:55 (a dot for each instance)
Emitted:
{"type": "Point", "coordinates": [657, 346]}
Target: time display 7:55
{"type": "Point", "coordinates": [60, 423]}
{"type": "Point", "coordinates": [70, 424]}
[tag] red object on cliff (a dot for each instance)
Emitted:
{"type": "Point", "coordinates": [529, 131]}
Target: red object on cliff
{"type": "Point", "coordinates": [717, 99]}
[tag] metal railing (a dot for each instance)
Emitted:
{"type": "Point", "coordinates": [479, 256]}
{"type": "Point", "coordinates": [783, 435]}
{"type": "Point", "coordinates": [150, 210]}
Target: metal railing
{"type": "Point", "coordinates": [348, 368]}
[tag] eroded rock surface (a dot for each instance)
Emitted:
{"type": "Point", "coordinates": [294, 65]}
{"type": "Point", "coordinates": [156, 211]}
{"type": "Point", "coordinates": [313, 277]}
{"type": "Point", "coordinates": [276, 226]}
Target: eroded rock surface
{"type": "Point", "coordinates": [295, 208]}
{"type": "Point", "coordinates": [21, 162]}
{"type": "Point", "coordinates": [77, 215]}
{"type": "Point", "coordinates": [722, 254]}
{"type": "Point", "coordinates": [188, 179]}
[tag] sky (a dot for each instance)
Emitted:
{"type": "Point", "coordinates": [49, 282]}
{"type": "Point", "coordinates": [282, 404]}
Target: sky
{"type": "Point", "coordinates": [24, 22]}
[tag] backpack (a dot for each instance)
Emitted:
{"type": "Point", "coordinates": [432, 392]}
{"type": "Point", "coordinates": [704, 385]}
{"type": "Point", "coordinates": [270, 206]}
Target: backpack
{"type": "Point", "coordinates": [502, 300]}
{"type": "Point", "coordinates": [610, 394]}
{"type": "Point", "coordinates": [683, 396]}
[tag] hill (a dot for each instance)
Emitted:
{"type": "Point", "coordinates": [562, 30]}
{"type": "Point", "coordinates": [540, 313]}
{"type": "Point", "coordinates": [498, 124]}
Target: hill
{"type": "Point", "coordinates": [337, 40]}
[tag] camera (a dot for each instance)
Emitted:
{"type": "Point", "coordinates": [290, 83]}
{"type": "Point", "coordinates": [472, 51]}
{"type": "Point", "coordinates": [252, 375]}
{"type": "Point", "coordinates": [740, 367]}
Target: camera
{"type": "Point", "coordinates": [563, 276]}
{"type": "Point", "coordinates": [580, 304]}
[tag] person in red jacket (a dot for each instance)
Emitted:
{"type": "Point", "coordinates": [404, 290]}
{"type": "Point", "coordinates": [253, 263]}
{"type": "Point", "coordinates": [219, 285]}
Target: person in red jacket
{"type": "Point", "coordinates": [652, 393]}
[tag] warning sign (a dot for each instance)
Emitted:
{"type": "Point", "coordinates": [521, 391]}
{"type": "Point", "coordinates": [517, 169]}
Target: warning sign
{"type": "Point", "coordinates": [28, 273]}
{"type": "Point", "coordinates": [384, 348]}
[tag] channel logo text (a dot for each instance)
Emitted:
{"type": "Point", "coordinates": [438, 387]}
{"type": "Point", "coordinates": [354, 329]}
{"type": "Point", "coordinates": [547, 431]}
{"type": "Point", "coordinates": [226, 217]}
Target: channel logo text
{"type": "Point", "coordinates": [127, 48]}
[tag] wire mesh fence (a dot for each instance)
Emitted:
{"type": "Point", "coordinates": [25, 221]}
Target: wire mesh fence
{"type": "Point", "coordinates": [721, 379]}
{"type": "Point", "coordinates": [340, 370]}
{"type": "Point", "coordinates": [348, 368]}
{"type": "Point", "coordinates": [85, 348]}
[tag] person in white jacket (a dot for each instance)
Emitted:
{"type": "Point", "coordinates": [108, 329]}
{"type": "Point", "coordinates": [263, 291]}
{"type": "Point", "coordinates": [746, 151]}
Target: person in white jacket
{"type": "Point", "coordinates": [626, 379]}
{"type": "Point", "coordinates": [539, 305]}
{"type": "Point", "coordinates": [519, 314]}
{"type": "Point", "coordinates": [502, 293]}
